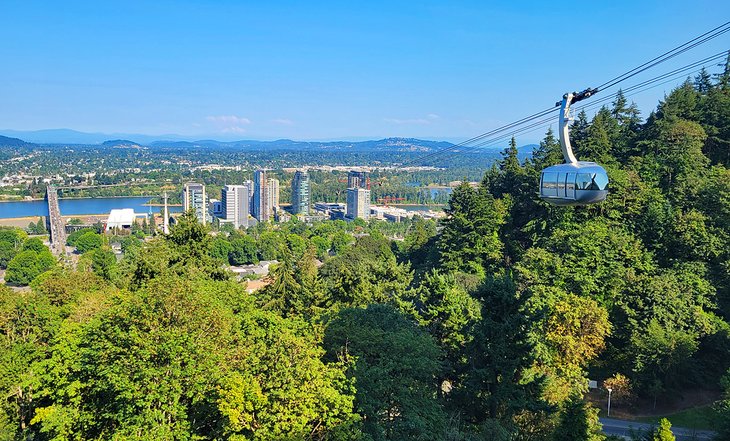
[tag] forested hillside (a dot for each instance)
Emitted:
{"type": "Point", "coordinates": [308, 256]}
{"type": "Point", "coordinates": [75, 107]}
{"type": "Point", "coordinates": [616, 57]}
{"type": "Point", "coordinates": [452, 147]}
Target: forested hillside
{"type": "Point", "coordinates": [486, 327]}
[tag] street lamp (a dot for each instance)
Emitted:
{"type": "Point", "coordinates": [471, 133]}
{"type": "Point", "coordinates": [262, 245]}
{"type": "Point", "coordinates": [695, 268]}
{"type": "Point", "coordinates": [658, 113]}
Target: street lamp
{"type": "Point", "coordinates": [609, 401]}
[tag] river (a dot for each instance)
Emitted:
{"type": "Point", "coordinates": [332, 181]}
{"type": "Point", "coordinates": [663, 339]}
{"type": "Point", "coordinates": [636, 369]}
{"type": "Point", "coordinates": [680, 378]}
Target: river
{"type": "Point", "coordinates": [71, 207]}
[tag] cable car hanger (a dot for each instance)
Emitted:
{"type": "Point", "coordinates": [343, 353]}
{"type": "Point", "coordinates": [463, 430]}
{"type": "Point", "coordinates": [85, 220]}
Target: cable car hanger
{"type": "Point", "coordinates": [573, 182]}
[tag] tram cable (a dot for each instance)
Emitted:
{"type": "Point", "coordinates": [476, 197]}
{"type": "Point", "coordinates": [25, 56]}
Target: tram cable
{"type": "Point", "coordinates": [429, 157]}
{"type": "Point", "coordinates": [707, 36]}
{"type": "Point", "coordinates": [628, 92]}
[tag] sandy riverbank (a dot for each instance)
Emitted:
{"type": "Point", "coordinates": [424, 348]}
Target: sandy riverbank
{"type": "Point", "coordinates": [22, 222]}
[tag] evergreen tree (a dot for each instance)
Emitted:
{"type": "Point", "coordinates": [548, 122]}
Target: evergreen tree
{"type": "Point", "coordinates": [723, 78]}
{"type": "Point", "coordinates": [469, 241]}
{"type": "Point", "coordinates": [579, 129]}
{"type": "Point", "coordinates": [578, 422]}
{"type": "Point", "coordinates": [499, 355]}
{"type": "Point", "coordinates": [395, 363]}
{"type": "Point", "coordinates": [284, 293]}
{"type": "Point", "coordinates": [548, 153]}
{"type": "Point", "coordinates": [703, 82]}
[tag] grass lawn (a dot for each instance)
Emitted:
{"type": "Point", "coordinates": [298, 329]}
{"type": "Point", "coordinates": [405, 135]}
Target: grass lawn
{"type": "Point", "coordinates": [697, 418]}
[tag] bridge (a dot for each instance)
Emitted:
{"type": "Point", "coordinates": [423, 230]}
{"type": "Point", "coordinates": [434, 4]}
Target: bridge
{"type": "Point", "coordinates": [126, 184]}
{"type": "Point", "coordinates": [56, 225]}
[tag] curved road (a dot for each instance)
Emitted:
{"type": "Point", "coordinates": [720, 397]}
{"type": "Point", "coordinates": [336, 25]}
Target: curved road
{"type": "Point", "coordinates": [626, 428]}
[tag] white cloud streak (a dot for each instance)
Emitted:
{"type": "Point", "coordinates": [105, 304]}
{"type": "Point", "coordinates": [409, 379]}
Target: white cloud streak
{"type": "Point", "coordinates": [229, 123]}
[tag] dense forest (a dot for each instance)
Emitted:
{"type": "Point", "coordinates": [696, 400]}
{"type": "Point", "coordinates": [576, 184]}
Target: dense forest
{"type": "Point", "coordinates": [485, 327]}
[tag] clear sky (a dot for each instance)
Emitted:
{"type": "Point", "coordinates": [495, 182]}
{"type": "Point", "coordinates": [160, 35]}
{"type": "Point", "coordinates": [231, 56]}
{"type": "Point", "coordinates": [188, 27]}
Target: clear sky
{"type": "Point", "coordinates": [325, 70]}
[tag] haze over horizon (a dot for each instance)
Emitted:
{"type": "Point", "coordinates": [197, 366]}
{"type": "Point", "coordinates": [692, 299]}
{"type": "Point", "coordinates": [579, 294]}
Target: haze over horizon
{"type": "Point", "coordinates": [320, 71]}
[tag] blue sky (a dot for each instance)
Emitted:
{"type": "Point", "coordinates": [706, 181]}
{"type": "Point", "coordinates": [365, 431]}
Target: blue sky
{"type": "Point", "coordinates": [325, 70]}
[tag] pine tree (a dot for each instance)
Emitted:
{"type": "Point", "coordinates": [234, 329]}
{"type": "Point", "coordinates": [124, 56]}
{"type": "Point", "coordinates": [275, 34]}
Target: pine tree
{"type": "Point", "coordinates": [579, 129]}
{"type": "Point", "coordinates": [469, 241]}
{"type": "Point", "coordinates": [549, 152]}
{"type": "Point", "coordinates": [573, 425]}
{"type": "Point", "coordinates": [703, 82]}
{"type": "Point", "coordinates": [499, 356]}
{"type": "Point", "coordinates": [723, 79]}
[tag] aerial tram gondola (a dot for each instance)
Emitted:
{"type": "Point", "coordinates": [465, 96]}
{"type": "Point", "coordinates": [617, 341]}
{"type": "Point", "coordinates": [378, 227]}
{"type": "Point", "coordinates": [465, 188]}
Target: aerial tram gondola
{"type": "Point", "coordinates": [574, 182]}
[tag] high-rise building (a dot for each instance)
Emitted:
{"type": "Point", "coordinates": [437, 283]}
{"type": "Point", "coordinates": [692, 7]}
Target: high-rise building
{"type": "Point", "coordinates": [193, 197]}
{"type": "Point", "coordinates": [300, 193]}
{"type": "Point", "coordinates": [236, 202]}
{"type": "Point", "coordinates": [358, 203]}
{"type": "Point", "coordinates": [261, 209]}
{"type": "Point", "coordinates": [357, 179]}
{"type": "Point", "coordinates": [273, 195]}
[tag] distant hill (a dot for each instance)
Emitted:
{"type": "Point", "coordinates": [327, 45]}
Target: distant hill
{"type": "Point", "coordinates": [72, 137]}
{"type": "Point", "coordinates": [525, 151]}
{"type": "Point", "coordinates": [68, 136]}
{"type": "Point", "coordinates": [12, 142]}
{"type": "Point", "coordinates": [387, 144]}
{"type": "Point", "coordinates": [119, 143]}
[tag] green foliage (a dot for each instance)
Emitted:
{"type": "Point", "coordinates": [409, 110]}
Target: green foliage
{"type": "Point", "coordinates": [448, 312]}
{"type": "Point", "coordinates": [73, 237]}
{"type": "Point", "coordinates": [88, 241]}
{"type": "Point", "coordinates": [469, 241]}
{"type": "Point", "coordinates": [220, 248]}
{"type": "Point", "coordinates": [578, 422]}
{"type": "Point", "coordinates": [27, 265]}
{"type": "Point", "coordinates": [243, 251]}
{"type": "Point", "coordinates": [500, 355]}
{"type": "Point", "coordinates": [27, 326]}
{"type": "Point", "coordinates": [34, 244]}
{"type": "Point", "coordinates": [569, 332]}
{"type": "Point", "coordinates": [663, 432]}
{"type": "Point", "coordinates": [662, 355]}
{"type": "Point", "coordinates": [722, 407]}
{"type": "Point", "coordinates": [37, 227]}
{"type": "Point", "coordinates": [11, 242]}
{"type": "Point", "coordinates": [395, 363]}
{"type": "Point", "coordinates": [104, 263]}
{"type": "Point", "coordinates": [366, 273]}
{"type": "Point", "coordinates": [270, 245]}
{"type": "Point", "coordinates": [202, 358]}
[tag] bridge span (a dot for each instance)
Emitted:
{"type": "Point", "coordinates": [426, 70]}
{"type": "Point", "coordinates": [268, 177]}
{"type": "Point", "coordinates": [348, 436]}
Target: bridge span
{"type": "Point", "coordinates": [56, 225]}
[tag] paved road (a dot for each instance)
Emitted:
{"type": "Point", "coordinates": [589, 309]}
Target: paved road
{"type": "Point", "coordinates": [626, 428]}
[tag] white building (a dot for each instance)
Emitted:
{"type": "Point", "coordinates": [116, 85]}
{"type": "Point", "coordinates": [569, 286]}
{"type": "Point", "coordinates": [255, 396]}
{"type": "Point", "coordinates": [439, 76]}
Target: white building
{"type": "Point", "coordinates": [358, 203]}
{"type": "Point", "coordinates": [273, 195]}
{"type": "Point", "coordinates": [193, 197]}
{"type": "Point", "coordinates": [235, 204]}
{"type": "Point", "coordinates": [122, 218]}
{"type": "Point", "coordinates": [260, 208]}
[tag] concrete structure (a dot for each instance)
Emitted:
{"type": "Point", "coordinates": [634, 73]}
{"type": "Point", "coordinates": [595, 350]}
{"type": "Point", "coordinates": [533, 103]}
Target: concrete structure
{"type": "Point", "coordinates": [260, 207]}
{"type": "Point", "coordinates": [260, 269]}
{"type": "Point", "coordinates": [273, 195]}
{"type": "Point", "coordinates": [236, 202]}
{"type": "Point", "coordinates": [358, 203]}
{"type": "Point", "coordinates": [357, 179]}
{"type": "Point", "coordinates": [193, 197]}
{"type": "Point", "coordinates": [57, 232]}
{"type": "Point", "coordinates": [300, 193]}
{"type": "Point", "coordinates": [166, 218]}
{"type": "Point", "coordinates": [215, 207]}
{"type": "Point", "coordinates": [122, 218]}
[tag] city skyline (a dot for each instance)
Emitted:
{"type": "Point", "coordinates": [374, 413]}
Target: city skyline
{"type": "Point", "coordinates": [318, 71]}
